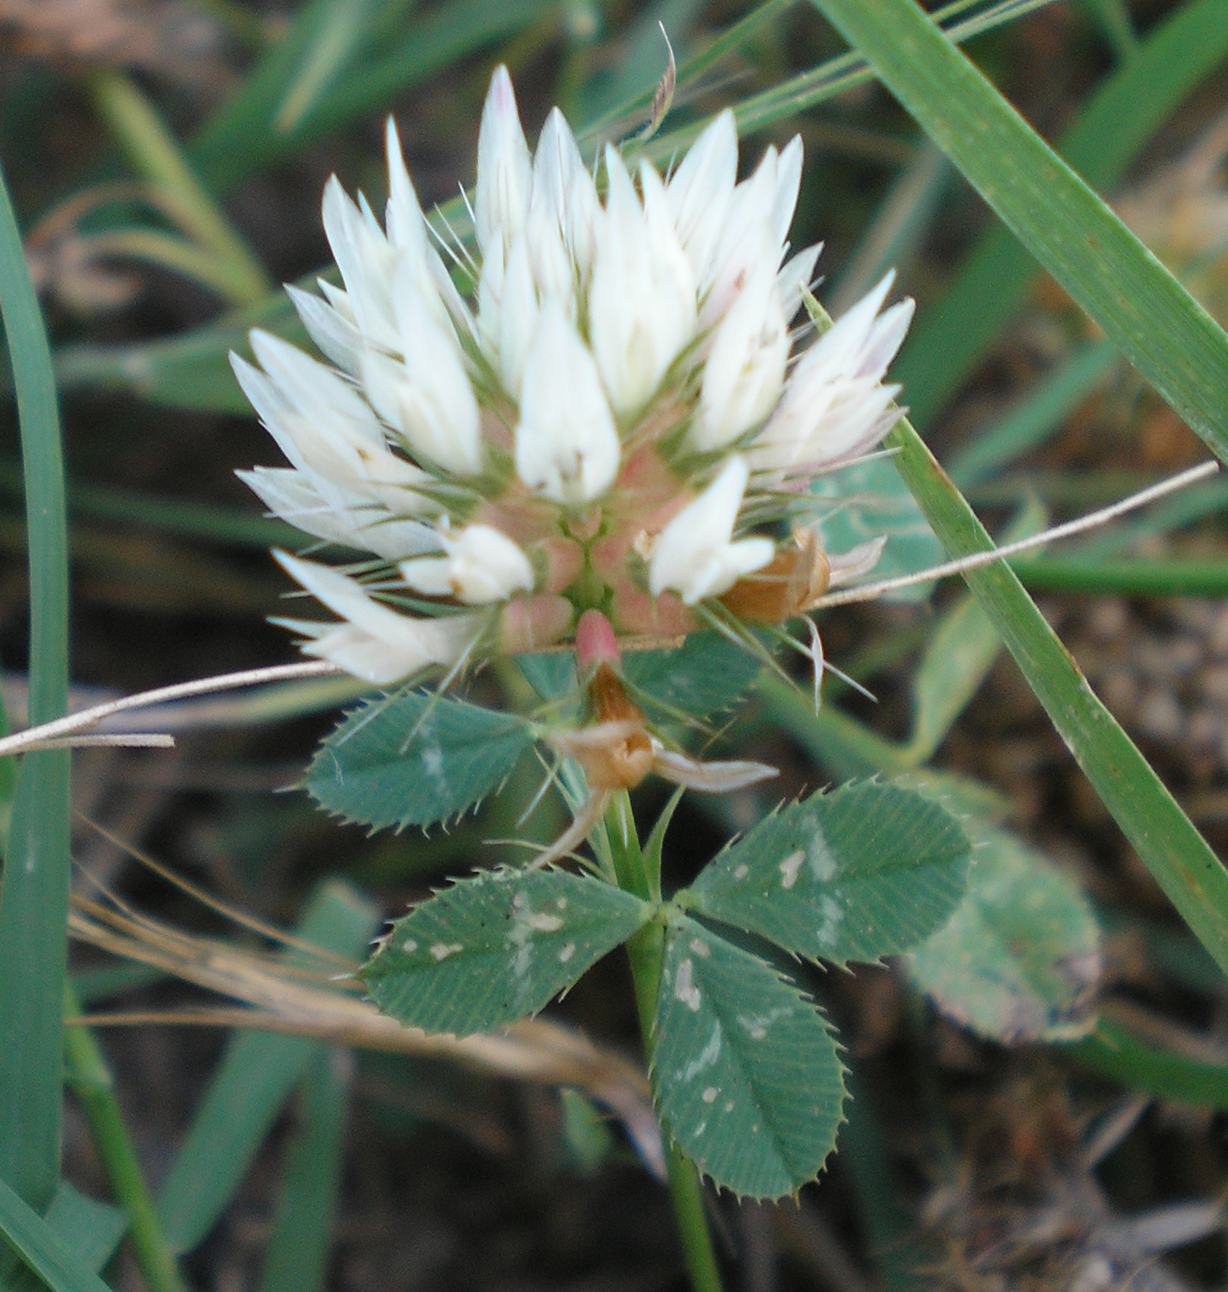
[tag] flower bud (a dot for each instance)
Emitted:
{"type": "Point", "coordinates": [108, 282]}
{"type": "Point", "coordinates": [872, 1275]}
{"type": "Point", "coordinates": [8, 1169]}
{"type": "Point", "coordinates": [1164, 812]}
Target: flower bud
{"type": "Point", "coordinates": [505, 169]}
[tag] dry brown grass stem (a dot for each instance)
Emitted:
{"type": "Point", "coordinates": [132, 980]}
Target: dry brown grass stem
{"type": "Point", "coordinates": [276, 998]}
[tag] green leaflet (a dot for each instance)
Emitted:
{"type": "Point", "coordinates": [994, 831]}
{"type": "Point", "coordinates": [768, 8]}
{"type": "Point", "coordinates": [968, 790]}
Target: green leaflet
{"type": "Point", "coordinates": [705, 674]}
{"type": "Point", "coordinates": [745, 1070]}
{"type": "Point", "coordinates": [492, 949]}
{"type": "Point", "coordinates": [415, 760]}
{"type": "Point", "coordinates": [864, 872]}
{"type": "Point", "coordinates": [1020, 958]}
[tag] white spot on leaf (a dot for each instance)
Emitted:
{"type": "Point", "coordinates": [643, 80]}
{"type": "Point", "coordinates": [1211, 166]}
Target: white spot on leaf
{"type": "Point", "coordinates": [710, 1094]}
{"type": "Point", "coordinates": [789, 869]}
{"type": "Point", "coordinates": [442, 950]}
{"type": "Point", "coordinates": [705, 1058]}
{"type": "Point", "coordinates": [567, 952]}
{"type": "Point", "coordinates": [684, 986]}
{"type": "Point", "coordinates": [823, 862]}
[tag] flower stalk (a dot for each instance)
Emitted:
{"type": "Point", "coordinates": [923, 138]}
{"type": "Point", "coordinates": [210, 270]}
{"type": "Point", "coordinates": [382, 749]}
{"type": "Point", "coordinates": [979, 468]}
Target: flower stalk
{"type": "Point", "coordinates": [639, 871]}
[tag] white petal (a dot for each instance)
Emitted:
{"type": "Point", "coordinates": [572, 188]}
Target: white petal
{"type": "Point", "coordinates": [694, 556]}
{"type": "Point", "coordinates": [745, 369]}
{"type": "Point", "coordinates": [310, 387]}
{"type": "Point", "coordinates": [747, 240]}
{"type": "Point", "coordinates": [859, 560]}
{"type": "Point", "coordinates": [405, 221]}
{"type": "Point", "coordinates": [505, 169]}
{"type": "Point", "coordinates": [709, 778]}
{"type": "Point", "coordinates": [438, 412]}
{"type": "Point", "coordinates": [376, 642]}
{"type": "Point", "coordinates": [838, 351]}
{"type": "Point", "coordinates": [481, 565]}
{"type": "Point", "coordinates": [564, 190]}
{"type": "Point", "coordinates": [642, 300]}
{"type": "Point", "coordinates": [834, 407]}
{"type": "Point", "coordinates": [334, 334]}
{"type": "Point", "coordinates": [517, 317]}
{"type": "Point", "coordinates": [701, 188]}
{"type": "Point", "coordinates": [337, 516]}
{"type": "Point", "coordinates": [566, 445]}
{"type": "Point", "coordinates": [795, 277]}
{"type": "Point", "coordinates": [364, 259]}
{"type": "Point", "coordinates": [885, 339]}
{"type": "Point", "coordinates": [788, 182]}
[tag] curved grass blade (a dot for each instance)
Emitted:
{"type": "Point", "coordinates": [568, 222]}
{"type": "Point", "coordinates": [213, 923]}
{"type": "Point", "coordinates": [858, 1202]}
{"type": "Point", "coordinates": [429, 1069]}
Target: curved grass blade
{"type": "Point", "coordinates": [296, 1258]}
{"type": "Point", "coordinates": [1178, 857]}
{"type": "Point", "coordinates": [252, 1083]}
{"type": "Point", "coordinates": [41, 1249]}
{"type": "Point", "coordinates": [34, 897]}
{"type": "Point", "coordinates": [1158, 326]}
{"type": "Point", "coordinates": [948, 341]}
{"type": "Point", "coordinates": [243, 135]}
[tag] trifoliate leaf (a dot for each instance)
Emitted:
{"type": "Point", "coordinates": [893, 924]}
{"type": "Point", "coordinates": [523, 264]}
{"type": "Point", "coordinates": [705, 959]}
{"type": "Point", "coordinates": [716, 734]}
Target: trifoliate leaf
{"type": "Point", "coordinates": [415, 760]}
{"type": "Point", "coordinates": [864, 872]}
{"type": "Point", "coordinates": [1020, 959]}
{"type": "Point", "coordinates": [746, 1075]}
{"type": "Point", "coordinates": [489, 950]}
{"type": "Point", "coordinates": [705, 674]}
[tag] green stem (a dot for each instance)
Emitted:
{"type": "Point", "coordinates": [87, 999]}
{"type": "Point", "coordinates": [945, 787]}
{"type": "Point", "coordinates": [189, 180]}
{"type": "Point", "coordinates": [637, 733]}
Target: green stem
{"type": "Point", "coordinates": [1132, 578]}
{"type": "Point", "coordinates": [155, 153]}
{"type": "Point", "coordinates": [90, 1079]}
{"type": "Point", "coordinates": [640, 873]}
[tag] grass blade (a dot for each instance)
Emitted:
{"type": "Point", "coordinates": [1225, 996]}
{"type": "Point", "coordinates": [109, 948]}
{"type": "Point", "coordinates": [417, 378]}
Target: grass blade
{"type": "Point", "coordinates": [250, 1088]}
{"type": "Point", "coordinates": [34, 898]}
{"type": "Point", "coordinates": [1134, 1059]}
{"type": "Point", "coordinates": [42, 1249]}
{"type": "Point", "coordinates": [154, 152]}
{"type": "Point", "coordinates": [297, 1256]}
{"type": "Point", "coordinates": [243, 135]}
{"type": "Point", "coordinates": [192, 371]}
{"type": "Point", "coordinates": [92, 1229]}
{"type": "Point", "coordinates": [949, 340]}
{"type": "Point", "coordinates": [1172, 849]}
{"type": "Point", "coordinates": [95, 1091]}
{"type": "Point", "coordinates": [1155, 322]}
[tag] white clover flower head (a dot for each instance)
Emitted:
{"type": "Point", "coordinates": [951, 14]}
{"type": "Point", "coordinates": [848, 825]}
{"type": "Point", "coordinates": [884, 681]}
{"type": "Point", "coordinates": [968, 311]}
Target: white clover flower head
{"type": "Point", "coordinates": [596, 407]}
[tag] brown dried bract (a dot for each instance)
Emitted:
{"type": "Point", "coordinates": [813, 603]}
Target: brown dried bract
{"type": "Point", "coordinates": [787, 587]}
{"type": "Point", "coordinates": [616, 752]}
